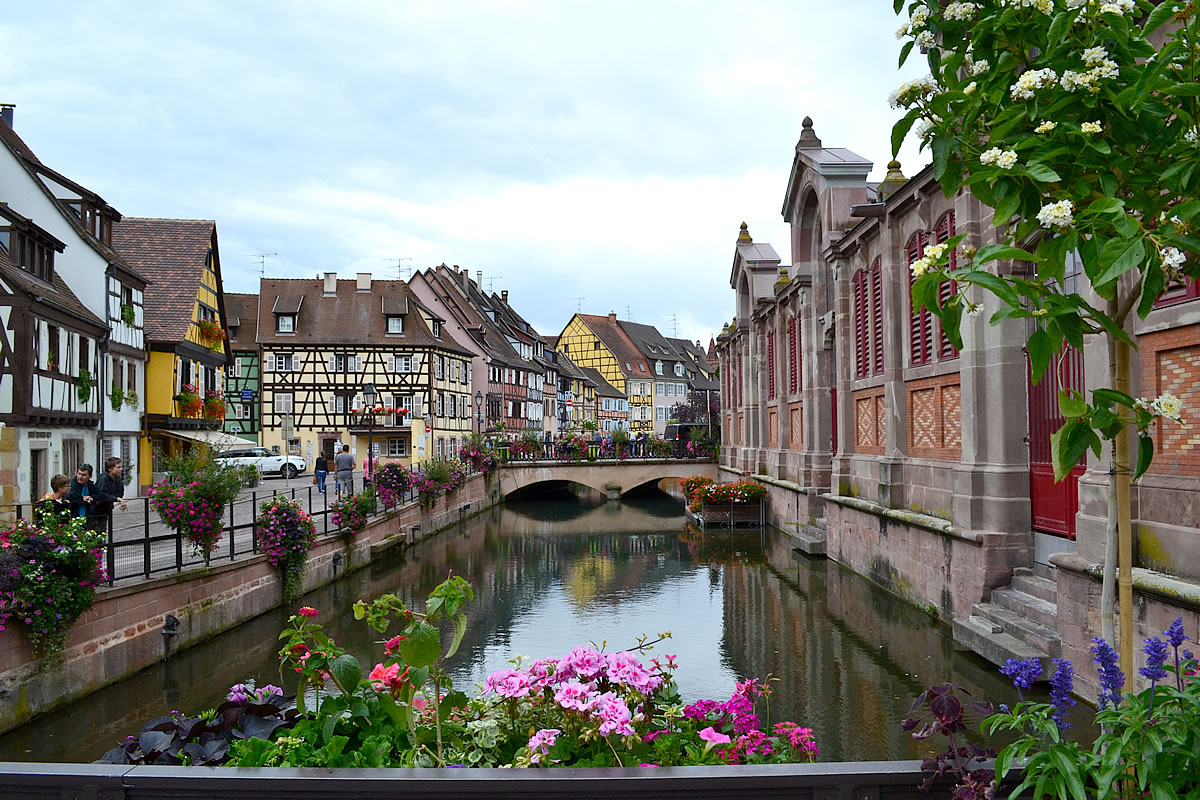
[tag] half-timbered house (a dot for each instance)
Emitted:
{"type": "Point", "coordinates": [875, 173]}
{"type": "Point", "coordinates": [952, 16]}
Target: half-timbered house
{"type": "Point", "coordinates": [241, 378]}
{"type": "Point", "coordinates": [99, 278]}
{"type": "Point", "coordinates": [600, 343]}
{"type": "Point", "coordinates": [185, 334]}
{"type": "Point", "coordinates": [49, 400]}
{"type": "Point", "coordinates": [323, 341]}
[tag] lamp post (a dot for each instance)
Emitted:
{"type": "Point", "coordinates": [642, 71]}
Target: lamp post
{"type": "Point", "coordinates": [478, 411]}
{"type": "Point", "coordinates": [369, 395]}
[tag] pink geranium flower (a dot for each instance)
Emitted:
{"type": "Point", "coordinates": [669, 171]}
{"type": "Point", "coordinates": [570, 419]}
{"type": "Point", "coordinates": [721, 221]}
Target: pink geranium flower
{"type": "Point", "coordinates": [508, 683]}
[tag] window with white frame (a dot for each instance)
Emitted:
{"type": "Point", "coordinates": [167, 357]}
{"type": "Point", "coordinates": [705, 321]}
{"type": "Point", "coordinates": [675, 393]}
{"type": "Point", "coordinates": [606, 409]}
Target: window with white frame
{"type": "Point", "coordinates": [658, 368]}
{"type": "Point", "coordinates": [436, 327]}
{"type": "Point", "coordinates": [283, 403]}
{"type": "Point", "coordinates": [397, 447]}
{"type": "Point", "coordinates": [286, 362]}
{"type": "Point", "coordinates": [679, 370]}
{"type": "Point", "coordinates": [660, 412]}
{"type": "Point", "coordinates": [403, 364]}
{"type": "Point", "coordinates": [395, 324]}
{"type": "Point", "coordinates": [235, 369]}
{"type": "Point", "coordinates": [286, 323]}
{"type": "Point", "coordinates": [453, 410]}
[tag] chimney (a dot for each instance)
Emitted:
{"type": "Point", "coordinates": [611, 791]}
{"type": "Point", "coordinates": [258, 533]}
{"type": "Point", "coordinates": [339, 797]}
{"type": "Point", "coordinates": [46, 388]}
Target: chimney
{"type": "Point", "coordinates": [364, 282]}
{"type": "Point", "coordinates": [504, 296]}
{"type": "Point", "coordinates": [6, 113]}
{"type": "Point", "coordinates": [330, 284]}
{"type": "Point", "coordinates": [479, 278]}
{"type": "Point", "coordinates": [612, 318]}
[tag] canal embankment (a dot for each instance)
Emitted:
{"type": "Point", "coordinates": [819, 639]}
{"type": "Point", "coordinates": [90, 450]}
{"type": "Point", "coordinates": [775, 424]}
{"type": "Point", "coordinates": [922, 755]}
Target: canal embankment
{"type": "Point", "coordinates": [126, 630]}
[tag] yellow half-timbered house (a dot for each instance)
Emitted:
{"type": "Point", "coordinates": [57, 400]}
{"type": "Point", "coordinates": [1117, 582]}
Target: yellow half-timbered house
{"type": "Point", "coordinates": [599, 343]}
{"type": "Point", "coordinates": [184, 330]}
{"type": "Point", "coordinates": [323, 341]}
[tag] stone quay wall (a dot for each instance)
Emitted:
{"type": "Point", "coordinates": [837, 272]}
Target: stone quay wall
{"type": "Point", "coordinates": [122, 633]}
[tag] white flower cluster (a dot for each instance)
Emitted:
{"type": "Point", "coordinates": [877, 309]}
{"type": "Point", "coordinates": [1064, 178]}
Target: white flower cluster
{"type": "Point", "coordinates": [1101, 68]}
{"type": "Point", "coordinates": [1057, 215]}
{"type": "Point", "coordinates": [926, 40]}
{"type": "Point", "coordinates": [1191, 136]}
{"type": "Point", "coordinates": [1032, 80]}
{"type": "Point", "coordinates": [932, 253]}
{"type": "Point", "coordinates": [918, 17]}
{"type": "Point", "coordinates": [979, 67]}
{"type": "Point", "coordinates": [1091, 127]}
{"type": "Point", "coordinates": [912, 91]}
{"type": "Point", "coordinates": [1118, 7]}
{"type": "Point", "coordinates": [960, 11]}
{"type": "Point", "coordinates": [1044, 6]}
{"type": "Point", "coordinates": [935, 251]}
{"type": "Point", "coordinates": [995, 157]}
{"type": "Point", "coordinates": [1046, 127]}
{"type": "Point", "coordinates": [970, 88]}
{"type": "Point", "coordinates": [902, 31]}
{"type": "Point", "coordinates": [1172, 260]}
{"type": "Point", "coordinates": [1165, 405]}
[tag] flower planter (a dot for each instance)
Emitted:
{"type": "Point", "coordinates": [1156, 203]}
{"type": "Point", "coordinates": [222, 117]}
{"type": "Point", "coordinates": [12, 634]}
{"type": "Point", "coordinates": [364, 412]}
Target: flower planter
{"type": "Point", "coordinates": [729, 515]}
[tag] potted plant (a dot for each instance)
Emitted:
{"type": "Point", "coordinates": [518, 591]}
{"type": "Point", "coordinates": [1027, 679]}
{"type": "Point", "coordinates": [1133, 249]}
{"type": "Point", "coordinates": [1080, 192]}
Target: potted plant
{"type": "Point", "coordinates": [131, 398]}
{"type": "Point", "coordinates": [193, 496]}
{"type": "Point", "coordinates": [127, 315]}
{"type": "Point", "coordinates": [116, 398]}
{"type": "Point", "coordinates": [214, 405]}
{"type": "Point", "coordinates": [83, 386]}
{"type": "Point", "coordinates": [286, 532]}
{"type": "Point", "coordinates": [189, 401]}
{"type": "Point", "coordinates": [211, 334]}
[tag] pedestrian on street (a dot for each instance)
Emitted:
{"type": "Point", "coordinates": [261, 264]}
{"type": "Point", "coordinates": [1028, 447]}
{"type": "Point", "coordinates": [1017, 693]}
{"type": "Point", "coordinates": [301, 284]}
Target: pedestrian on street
{"type": "Point", "coordinates": [320, 471]}
{"type": "Point", "coordinates": [84, 494]}
{"type": "Point", "coordinates": [110, 484]}
{"type": "Point", "coordinates": [54, 508]}
{"type": "Point", "coordinates": [344, 464]}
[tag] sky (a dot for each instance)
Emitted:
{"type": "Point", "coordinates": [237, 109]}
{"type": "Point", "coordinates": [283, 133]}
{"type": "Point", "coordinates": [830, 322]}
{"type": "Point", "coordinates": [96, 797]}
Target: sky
{"type": "Point", "coordinates": [584, 156]}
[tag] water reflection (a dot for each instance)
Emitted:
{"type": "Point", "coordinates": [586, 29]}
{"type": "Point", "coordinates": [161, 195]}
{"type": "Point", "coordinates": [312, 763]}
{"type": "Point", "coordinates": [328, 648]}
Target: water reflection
{"type": "Point", "coordinates": [552, 572]}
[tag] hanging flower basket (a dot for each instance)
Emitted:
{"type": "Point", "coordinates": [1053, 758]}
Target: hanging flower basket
{"type": "Point", "coordinates": [189, 401]}
{"type": "Point", "coordinates": [214, 406]}
{"type": "Point", "coordinates": [211, 333]}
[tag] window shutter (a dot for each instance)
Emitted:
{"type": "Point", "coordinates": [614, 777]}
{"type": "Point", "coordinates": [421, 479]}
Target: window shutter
{"type": "Point", "coordinates": [332, 404]}
{"type": "Point", "coordinates": [416, 362]}
{"type": "Point", "coordinates": [877, 314]}
{"type": "Point", "coordinates": [268, 362]}
{"type": "Point", "coordinates": [770, 366]}
{"type": "Point", "coordinates": [860, 325]}
{"type": "Point", "coordinates": [946, 290]}
{"type": "Point", "coordinates": [920, 324]}
{"type": "Point", "coordinates": [391, 364]}
{"type": "Point", "coordinates": [295, 362]}
{"type": "Point", "coordinates": [332, 363]}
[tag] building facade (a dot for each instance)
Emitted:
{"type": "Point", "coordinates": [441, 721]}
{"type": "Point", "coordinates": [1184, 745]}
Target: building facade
{"type": "Point", "coordinates": [599, 343]}
{"type": "Point", "coordinates": [241, 378]}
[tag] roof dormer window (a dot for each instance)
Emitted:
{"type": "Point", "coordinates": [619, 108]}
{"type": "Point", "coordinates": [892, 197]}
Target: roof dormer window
{"type": "Point", "coordinates": [285, 323]}
{"type": "Point", "coordinates": [658, 368]}
{"type": "Point", "coordinates": [679, 370]}
{"type": "Point", "coordinates": [436, 328]}
{"type": "Point", "coordinates": [395, 324]}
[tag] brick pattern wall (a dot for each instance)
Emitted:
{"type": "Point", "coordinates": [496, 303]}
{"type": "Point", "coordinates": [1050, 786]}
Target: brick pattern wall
{"type": "Point", "coordinates": [1170, 362]}
{"type": "Point", "coordinates": [773, 427]}
{"type": "Point", "coordinates": [935, 417]}
{"type": "Point", "coordinates": [796, 425]}
{"type": "Point", "coordinates": [870, 421]}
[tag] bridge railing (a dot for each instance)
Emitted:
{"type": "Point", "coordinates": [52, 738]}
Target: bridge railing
{"type": "Point", "coordinates": [518, 452]}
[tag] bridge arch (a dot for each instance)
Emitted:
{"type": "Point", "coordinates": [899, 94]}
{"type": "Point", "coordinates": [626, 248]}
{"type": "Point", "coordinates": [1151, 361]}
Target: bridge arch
{"type": "Point", "coordinates": [611, 478]}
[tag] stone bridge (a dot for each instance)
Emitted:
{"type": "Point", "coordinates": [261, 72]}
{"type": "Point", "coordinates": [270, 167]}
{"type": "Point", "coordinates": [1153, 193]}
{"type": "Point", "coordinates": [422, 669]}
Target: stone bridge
{"type": "Point", "coordinates": [611, 478]}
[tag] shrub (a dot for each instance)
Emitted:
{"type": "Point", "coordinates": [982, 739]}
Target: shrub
{"type": "Point", "coordinates": [573, 446]}
{"type": "Point", "coordinates": [193, 496]}
{"type": "Point", "coordinates": [480, 458]}
{"type": "Point", "coordinates": [286, 533]}
{"type": "Point", "coordinates": [48, 579]}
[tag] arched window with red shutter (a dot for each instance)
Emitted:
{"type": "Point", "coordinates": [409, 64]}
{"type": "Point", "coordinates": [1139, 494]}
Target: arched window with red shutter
{"type": "Point", "coordinates": [771, 365]}
{"type": "Point", "coordinates": [862, 347]}
{"type": "Point", "coordinates": [947, 289]}
{"type": "Point", "coordinates": [920, 332]}
{"type": "Point", "coordinates": [877, 316]}
{"type": "Point", "coordinates": [793, 356]}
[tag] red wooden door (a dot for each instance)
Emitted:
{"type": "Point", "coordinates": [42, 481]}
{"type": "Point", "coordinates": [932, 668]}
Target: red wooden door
{"type": "Point", "coordinates": [1054, 504]}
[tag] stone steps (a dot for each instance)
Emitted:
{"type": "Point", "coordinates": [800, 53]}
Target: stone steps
{"type": "Point", "coordinates": [1020, 621]}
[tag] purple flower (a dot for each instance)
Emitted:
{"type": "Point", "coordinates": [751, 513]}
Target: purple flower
{"type": "Point", "coordinates": [1111, 677]}
{"type": "Point", "coordinates": [1023, 672]}
{"type": "Point", "coordinates": [1156, 654]}
{"type": "Point", "coordinates": [1061, 685]}
{"type": "Point", "coordinates": [1175, 635]}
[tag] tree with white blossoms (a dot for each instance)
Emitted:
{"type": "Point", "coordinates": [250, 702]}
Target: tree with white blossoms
{"type": "Point", "coordinates": [1081, 134]}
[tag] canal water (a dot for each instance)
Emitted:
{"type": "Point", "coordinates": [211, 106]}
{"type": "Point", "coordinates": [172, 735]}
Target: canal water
{"type": "Point", "coordinates": [557, 570]}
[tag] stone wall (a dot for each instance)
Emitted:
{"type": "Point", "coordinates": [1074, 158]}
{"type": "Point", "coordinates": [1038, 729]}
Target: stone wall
{"type": "Point", "coordinates": [122, 632]}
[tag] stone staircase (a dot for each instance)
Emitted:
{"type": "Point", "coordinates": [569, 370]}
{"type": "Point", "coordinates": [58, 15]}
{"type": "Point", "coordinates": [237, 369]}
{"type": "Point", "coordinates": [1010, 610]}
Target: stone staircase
{"type": "Point", "coordinates": [1020, 620]}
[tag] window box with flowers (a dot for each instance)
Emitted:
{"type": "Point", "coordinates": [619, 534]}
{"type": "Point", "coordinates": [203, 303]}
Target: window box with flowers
{"type": "Point", "coordinates": [211, 334]}
{"type": "Point", "coordinates": [83, 386]}
{"type": "Point", "coordinates": [189, 402]}
{"type": "Point", "coordinates": [214, 405]}
{"type": "Point", "coordinates": [728, 504]}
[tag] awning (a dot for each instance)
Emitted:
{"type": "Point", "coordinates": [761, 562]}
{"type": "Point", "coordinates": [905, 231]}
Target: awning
{"type": "Point", "coordinates": [215, 439]}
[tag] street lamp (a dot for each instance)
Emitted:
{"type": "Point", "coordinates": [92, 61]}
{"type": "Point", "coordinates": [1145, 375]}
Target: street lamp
{"type": "Point", "coordinates": [479, 411]}
{"type": "Point", "coordinates": [369, 395]}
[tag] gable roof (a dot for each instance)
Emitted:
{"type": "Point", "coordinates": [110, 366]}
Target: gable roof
{"type": "Point", "coordinates": [608, 331]}
{"type": "Point", "coordinates": [650, 343]}
{"type": "Point", "coordinates": [172, 253]}
{"type": "Point", "coordinates": [241, 310]}
{"type": "Point", "coordinates": [33, 165]}
{"type": "Point", "coordinates": [603, 387]}
{"type": "Point", "coordinates": [58, 294]}
{"type": "Point", "coordinates": [347, 317]}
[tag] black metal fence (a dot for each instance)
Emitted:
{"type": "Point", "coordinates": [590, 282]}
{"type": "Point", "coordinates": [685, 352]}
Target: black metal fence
{"type": "Point", "coordinates": [141, 546]}
{"type": "Point", "coordinates": [867, 780]}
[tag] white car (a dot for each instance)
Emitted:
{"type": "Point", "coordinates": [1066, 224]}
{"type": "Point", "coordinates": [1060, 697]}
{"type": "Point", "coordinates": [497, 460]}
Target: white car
{"type": "Point", "coordinates": [266, 461]}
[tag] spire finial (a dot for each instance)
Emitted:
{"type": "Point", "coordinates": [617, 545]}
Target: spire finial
{"type": "Point", "coordinates": [808, 137]}
{"type": "Point", "coordinates": [744, 235]}
{"type": "Point", "coordinates": [892, 181]}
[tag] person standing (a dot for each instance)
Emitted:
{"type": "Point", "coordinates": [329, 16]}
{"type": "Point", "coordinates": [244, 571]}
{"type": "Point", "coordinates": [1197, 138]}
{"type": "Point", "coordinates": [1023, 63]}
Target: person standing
{"type": "Point", "coordinates": [110, 483]}
{"type": "Point", "coordinates": [344, 464]}
{"type": "Point", "coordinates": [320, 472]}
{"type": "Point", "coordinates": [85, 494]}
{"type": "Point", "coordinates": [53, 508]}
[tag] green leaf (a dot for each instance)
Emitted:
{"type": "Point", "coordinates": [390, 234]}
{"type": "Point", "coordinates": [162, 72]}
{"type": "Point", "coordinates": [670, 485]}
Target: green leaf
{"type": "Point", "coordinates": [1060, 26]}
{"type": "Point", "coordinates": [1071, 403]}
{"type": "Point", "coordinates": [1144, 456]}
{"type": "Point", "coordinates": [346, 671]}
{"type": "Point", "coordinates": [1118, 257]}
{"type": "Point", "coordinates": [327, 729]}
{"type": "Point", "coordinates": [1182, 89]}
{"type": "Point", "coordinates": [1113, 396]}
{"type": "Point", "coordinates": [904, 51]}
{"type": "Point", "coordinates": [1043, 173]}
{"type": "Point", "coordinates": [897, 5]}
{"type": "Point", "coordinates": [422, 646]}
{"type": "Point", "coordinates": [1152, 283]}
{"type": "Point", "coordinates": [1006, 208]}
{"type": "Point", "coordinates": [901, 129]}
{"type": "Point", "coordinates": [1039, 353]}
{"type": "Point", "coordinates": [460, 630]}
{"type": "Point", "coordinates": [995, 252]}
{"type": "Point", "coordinates": [1069, 771]}
{"type": "Point", "coordinates": [942, 145]}
{"type": "Point", "coordinates": [1105, 205]}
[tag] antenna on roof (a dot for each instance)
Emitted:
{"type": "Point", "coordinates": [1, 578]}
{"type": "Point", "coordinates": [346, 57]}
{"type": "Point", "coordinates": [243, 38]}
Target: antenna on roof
{"type": "Point", "coordinates": [400, 268]}
{"type": "Point", "coordinates": [492, 278]}
{"type": "Point", "coordinates": [262, 262]}
{"type": "Point", "coordinates": [628, 316]}
{"type": "Point", "coordinates": [578, 303]}
{"type": "Point", "coordinates": [674, 326]}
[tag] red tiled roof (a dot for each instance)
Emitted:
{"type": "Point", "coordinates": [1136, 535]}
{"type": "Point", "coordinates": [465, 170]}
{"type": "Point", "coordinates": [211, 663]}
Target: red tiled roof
{"type": "Point", "coordinates": [616, 340]}
{"type": "Point", "coordinates": [172, 254]}
{"type": "Point", "coordinates": [60, 295]}
{"type": "Point", "coordinates": [242, 308]}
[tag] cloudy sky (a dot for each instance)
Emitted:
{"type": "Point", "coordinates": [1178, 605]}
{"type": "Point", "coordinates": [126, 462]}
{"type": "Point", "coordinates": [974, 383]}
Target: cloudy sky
{"type": "Point", "coordinates": [603, 151]}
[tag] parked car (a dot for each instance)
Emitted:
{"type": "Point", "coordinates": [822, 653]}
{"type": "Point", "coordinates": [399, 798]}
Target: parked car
{"type": "Point", "coordinates": [679, 434]}
{"type": "Point", "coordinates": [265, 461]}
